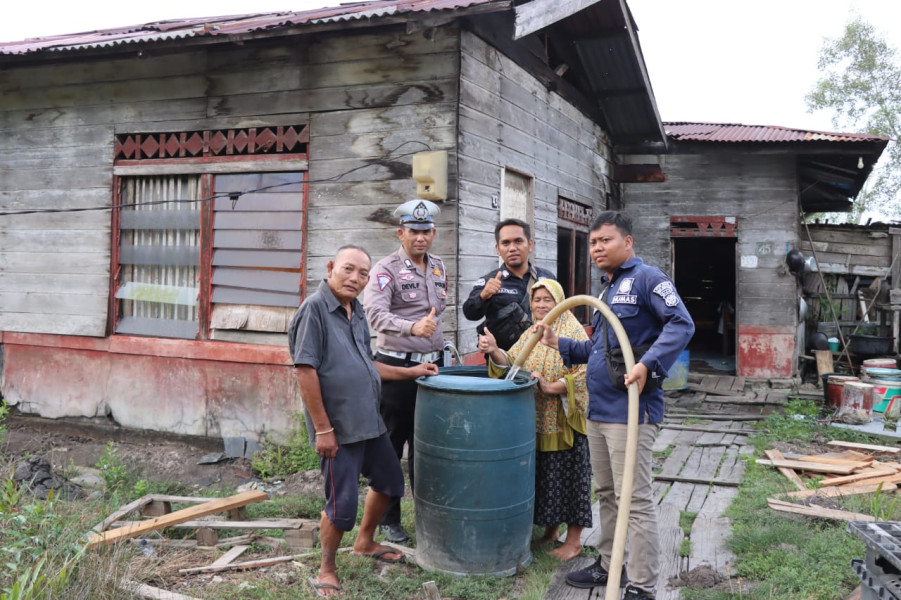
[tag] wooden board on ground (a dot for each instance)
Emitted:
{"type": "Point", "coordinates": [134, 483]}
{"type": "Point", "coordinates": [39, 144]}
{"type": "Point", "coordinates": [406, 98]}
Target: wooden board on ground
{"type": "Point", "coordinates": [250, 524]}
{"type": "Point", "coordinates": [708, 544]}
{"type": "Point", "coordinates": [872, 447]}
{"type": "Point", "coordinates": [789, 473]}
{"type": "Point", "coordinates": [146, 591]}
{"type": "Point", "coordinates": [179, 516]}
{"type": "Point", "coordinates": [863, 474]}
{"type": "Point", "coordinates": [230, 556]}
{"type": "Point", "coordinates": [817, 511]}
{"type": "Point", "coordinates": [808, 466]}
{"type": "Point", "coordinates": [840, 491]}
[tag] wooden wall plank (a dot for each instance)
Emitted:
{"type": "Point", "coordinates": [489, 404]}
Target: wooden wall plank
{"type": "Point", "coordinates": [58, 324]}
{"type": "Point", "coordinates": [63, 284]}
{"type": "Point", "coordinates": [55, 303]}
{"type": "Point", "coordinates": [50, 263]}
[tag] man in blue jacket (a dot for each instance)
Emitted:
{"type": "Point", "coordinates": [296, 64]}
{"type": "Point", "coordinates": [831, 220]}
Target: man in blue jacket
{"type": "Point", "coordinates": [654, 317]}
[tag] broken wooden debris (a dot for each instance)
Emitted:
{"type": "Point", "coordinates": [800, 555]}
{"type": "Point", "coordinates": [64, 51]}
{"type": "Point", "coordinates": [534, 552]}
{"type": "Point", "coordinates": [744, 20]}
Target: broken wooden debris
{"type": "Point", "coordinates": [865, 476]}
{"type": "Point", "coordinates": [842, 491]}
{"type": "Point", "coordinates": [230, 556]}
{"type": "Point", "coordinates": [789, 473]}
{"type": "Point", "coordinates": [241, 566]}
{"type": "Point", "coordinates": [809, 466]}
{"type": "Point", "coordinates": [817, 511]}
{"type": "Point", "coordinates": [263, 523]}
{"type": "Point", "coordinates": [701, 481]}
{"type": "Point", "coordinates": [146, 591]}
{"type": "Point", "coordinates": [431, 590]}
{"type": "Point", "coordinates": [871, 447]}
{"type": "Point", "coordinates": [180, 516]}
{"type": "Point", "coordinates": [167, 543]}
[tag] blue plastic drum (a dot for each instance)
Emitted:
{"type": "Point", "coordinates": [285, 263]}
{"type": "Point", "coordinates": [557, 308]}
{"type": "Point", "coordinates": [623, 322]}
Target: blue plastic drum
{"type": "Point", "coordinates": [475, 472]}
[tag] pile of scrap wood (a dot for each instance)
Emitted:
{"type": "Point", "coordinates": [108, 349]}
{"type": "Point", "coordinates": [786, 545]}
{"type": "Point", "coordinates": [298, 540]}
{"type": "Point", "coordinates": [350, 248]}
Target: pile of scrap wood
{"type": "Point", "coordinates": [299, 533]}
{"type": "Point", "coordinates": [851, 469]}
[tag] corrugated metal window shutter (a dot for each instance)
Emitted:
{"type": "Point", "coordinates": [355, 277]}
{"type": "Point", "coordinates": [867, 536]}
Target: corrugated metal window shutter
{"type": "Point", "coordinates": [159, 256]}
{"type": "Point", "coordinates": [258, 240]}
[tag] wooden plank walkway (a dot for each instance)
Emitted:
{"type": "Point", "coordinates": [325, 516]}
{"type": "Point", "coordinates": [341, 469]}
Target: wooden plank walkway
{"type": "Point", "coordinates": [704, 437]}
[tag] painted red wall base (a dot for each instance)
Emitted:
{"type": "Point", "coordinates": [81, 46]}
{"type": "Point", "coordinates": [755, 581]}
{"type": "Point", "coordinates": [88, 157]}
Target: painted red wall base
{"type": "Point", "coordinates": [213, 389]}
{"type": "Point", "coordinates": [765, 352]}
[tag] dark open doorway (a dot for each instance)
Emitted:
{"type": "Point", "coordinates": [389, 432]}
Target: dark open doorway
{"type": "Point", "coordinates": [704, 270]}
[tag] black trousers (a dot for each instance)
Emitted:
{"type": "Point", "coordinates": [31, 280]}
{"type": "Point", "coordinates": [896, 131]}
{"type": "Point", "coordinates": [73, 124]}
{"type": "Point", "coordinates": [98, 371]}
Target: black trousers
{"type": "Point", "coordinates": [398, 408]}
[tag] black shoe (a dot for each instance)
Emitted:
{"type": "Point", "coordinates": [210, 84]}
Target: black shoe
{"type": "Point", "coordinates": [394, 533]}
{"type": "Point", "coordinates": [633, 593]}
{"type": "Point", "coordinates": [593, 576]}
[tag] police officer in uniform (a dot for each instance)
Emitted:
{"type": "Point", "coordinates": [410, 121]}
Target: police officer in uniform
{"type": "Point", "coordinates": [404, 300]}
{"type": "Point", "coordinates": [501, 297]}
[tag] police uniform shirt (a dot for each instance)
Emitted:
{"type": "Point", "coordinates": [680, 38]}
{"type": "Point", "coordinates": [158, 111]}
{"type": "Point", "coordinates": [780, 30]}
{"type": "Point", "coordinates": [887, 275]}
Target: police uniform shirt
{"type": "Point", "coordinates": [399, 294]}
{"type": "Point", "coordinates": [513, 289]}
{"type": "Point", "coordinates": [321, 336]}
{"type": "Point", "coordinates": [645, 301]}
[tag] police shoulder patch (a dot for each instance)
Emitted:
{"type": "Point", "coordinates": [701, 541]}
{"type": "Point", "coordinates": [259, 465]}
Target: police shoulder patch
{"type": "Point", "coordinates": [665, 290]}
{"type": "Point", "coordinates": [480, 281]}
{"type": "Point", "coordinates": [383, 280]}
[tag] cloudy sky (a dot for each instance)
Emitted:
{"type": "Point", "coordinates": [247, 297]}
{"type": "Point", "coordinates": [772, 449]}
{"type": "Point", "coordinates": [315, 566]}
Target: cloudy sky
{"type": "Point", "coordinates": [709, 60]}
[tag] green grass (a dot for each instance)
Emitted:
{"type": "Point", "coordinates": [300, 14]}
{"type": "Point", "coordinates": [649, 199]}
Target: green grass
{"type": "Point", "coordinates": [782, 556]}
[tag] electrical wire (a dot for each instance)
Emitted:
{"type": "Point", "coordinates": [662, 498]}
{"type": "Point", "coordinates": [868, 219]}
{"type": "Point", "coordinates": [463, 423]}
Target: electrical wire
{"type": "Point", "coordinates": [233, 196]}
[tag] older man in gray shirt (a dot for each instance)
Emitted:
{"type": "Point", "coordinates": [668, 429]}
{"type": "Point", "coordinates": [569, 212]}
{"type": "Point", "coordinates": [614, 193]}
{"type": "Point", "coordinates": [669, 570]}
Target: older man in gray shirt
{"type": "Point", "coordinates": [340, 386]}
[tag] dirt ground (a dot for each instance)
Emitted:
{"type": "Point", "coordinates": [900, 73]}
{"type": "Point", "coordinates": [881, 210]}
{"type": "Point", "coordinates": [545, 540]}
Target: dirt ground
{"type": "Point", "coordinates": [77, 446]}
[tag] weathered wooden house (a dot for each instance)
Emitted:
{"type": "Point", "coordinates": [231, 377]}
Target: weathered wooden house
{"type": "Point", "coordinates": [169, 192]}
{"type": "Point", "coordinates": [723, 216]}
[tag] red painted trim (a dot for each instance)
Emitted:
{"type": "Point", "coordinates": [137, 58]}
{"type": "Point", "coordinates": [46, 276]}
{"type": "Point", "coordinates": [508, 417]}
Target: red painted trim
{"type": "Point", "coordinates": [303, 231]}
{"type": "Point", "coordinates": [205, 283]}
{"type": "Point", "coordinates": [161, 347]}
{"type": "Point", "coordinates": [206, 160]}
{"type": "Point", "coordinates": [112, 316]}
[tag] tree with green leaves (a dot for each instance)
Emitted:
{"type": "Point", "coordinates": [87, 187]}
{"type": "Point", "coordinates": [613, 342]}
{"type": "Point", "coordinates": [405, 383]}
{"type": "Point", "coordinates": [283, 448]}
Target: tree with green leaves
{"type": "Point", "coordinates": [860, 83]}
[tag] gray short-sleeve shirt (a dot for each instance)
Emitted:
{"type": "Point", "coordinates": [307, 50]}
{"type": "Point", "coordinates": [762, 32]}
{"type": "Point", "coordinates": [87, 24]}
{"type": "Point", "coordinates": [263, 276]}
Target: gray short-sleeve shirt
{"type": "Point", "coordinates": [321, 336]}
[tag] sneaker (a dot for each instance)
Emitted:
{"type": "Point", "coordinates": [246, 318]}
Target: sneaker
{"type": "Point", "coordinates": [593, 576]}
{"type": "Point", "coordinates": [634, 593]}
{"type": "Point", "coordinates": [394, 533]}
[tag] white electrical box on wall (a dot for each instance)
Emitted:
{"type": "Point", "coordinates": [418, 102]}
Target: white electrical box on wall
{"type": "Point", "coordinates": [430, 174]}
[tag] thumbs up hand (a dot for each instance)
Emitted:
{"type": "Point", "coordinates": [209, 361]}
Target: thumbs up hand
{"type": "Point", "coordinates": [488, 345]}
{"type": "Point", "coordinates": [487, 342]}
{"type": "Point", "coordinates": [426, 326]}
{"type": "Point", "coordinates": [491, 286]}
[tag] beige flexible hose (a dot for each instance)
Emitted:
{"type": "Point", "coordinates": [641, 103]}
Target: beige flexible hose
{"type": "Point", "coordinates": [625, 497]}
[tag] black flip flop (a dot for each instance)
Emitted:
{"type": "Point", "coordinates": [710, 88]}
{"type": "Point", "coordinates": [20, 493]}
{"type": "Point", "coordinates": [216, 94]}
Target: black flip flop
{"type": "Point", "coordinates": [319, 586]}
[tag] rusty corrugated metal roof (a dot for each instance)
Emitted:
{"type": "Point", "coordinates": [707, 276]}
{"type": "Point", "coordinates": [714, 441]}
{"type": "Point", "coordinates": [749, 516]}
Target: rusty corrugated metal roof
{"type": "Point", "coordinates": [231, 25]}
{"type": "Point", "coordinates": [736, 132]}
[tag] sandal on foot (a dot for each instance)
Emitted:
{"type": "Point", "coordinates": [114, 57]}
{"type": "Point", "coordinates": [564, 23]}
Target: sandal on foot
{"type": "Point", "coordinates": [380, 555]}
{"type": "Point", "coordinates": [320, 588]}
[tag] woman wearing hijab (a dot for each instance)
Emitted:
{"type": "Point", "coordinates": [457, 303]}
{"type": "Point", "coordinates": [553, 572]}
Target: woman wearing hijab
{"type": "Point", "coordinates": [562, 469]}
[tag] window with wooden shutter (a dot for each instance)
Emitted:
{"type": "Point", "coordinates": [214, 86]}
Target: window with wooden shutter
{"type": "Point", "coordinates": [210, 234]}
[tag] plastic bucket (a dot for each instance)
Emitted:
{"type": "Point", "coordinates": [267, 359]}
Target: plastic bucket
{"type": "Point", "coordinates": [678, 373]}
{"type": "Point", "coordinates": [883, 391]}
{"type": "Point", "coordinates": [474, 445]}
{"type": "Point", "coordinates": [857, 396]}
{"type": "Point", "coordinates": [878, 363]}
{"type": "Point", "coordinates": [832, 388]}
